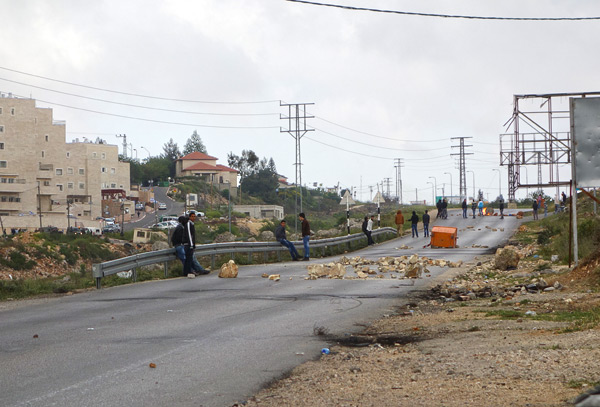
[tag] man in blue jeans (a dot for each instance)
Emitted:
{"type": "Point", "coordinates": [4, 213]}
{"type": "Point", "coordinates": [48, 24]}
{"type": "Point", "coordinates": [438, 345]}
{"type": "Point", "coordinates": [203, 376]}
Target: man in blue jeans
{"type": "Point", "coordinates": [414, 221]}
{"type": "Point", "coordinates": [281, 238]}
{"type": "Point", "coordinates": [305, 235]}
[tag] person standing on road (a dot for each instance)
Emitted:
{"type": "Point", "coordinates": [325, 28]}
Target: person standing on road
{"type": "Point", "coordinates": [501, 209]}
{"type": "Point", "coordinates": [282, 238]}
{"type": "Point", "coordinates": [438, 205]}
{"type": "Point", "coordinates": [444, 209]}
{"type": "Point", "coordinates": [426, 219]}
{"type": "Point", "coordinates": [480, 207]}
{"type": "Point", "coordinates": [535, 209]}
{"type": "Point", "coordinates": [474, 207]}
{"type": "Point", "coordinates": [177, 239]}
{"type": "Point", "coordinates": [464, 208]}
{"type": "Point", "coordinates": [305, 235]}
{"type": "Point", "coordinates": [189, 243]}
{"type": "Point", "coordinates": [414, 221]}
{"type": "Point", "coordinates": [370, 231]}
{"type": "Point", "coordinates": [399, 222]}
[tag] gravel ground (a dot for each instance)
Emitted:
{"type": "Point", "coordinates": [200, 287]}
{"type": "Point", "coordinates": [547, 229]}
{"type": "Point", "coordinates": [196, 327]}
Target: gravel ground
{"type": "Point", "coordinates": [439, 353]}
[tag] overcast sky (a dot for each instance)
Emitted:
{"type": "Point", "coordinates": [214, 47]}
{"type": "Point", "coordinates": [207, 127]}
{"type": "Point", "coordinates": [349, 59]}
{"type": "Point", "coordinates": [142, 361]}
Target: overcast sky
{"type": "Point", "coordinates": [384, 86]}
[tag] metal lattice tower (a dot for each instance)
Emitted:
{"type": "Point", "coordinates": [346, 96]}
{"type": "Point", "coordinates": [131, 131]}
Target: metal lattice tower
{"type": "Point", "coordinates": [461, 165]}
{"type": "Point", "coordinates": [398, 164]}
{"type": "Point", "coordinates": [297, 129]}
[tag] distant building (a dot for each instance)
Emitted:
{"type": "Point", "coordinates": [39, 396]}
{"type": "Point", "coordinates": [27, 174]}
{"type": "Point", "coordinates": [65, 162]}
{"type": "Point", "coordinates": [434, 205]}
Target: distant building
{"type": "Point", "coordinates": [261, 211]}
{"type": "Point", "coordinates": [204, 166]}
{"type": "Point", "coordinates": [38, 168]}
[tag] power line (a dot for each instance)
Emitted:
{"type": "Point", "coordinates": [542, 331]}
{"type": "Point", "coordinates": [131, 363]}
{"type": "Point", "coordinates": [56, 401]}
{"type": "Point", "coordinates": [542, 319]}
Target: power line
{"type": "Point", "coordinates": [136, 94]}
{"type": "Point", "coordinates": [375, 135]}
{"type": "Point", "coordinates": [409, 13]}
{"type": "Point", "coordinates": [152, 120]}
{"type": "Point", "coordinates": [138, 106]}
{"type": "Point", "coordinates": [375, 146]}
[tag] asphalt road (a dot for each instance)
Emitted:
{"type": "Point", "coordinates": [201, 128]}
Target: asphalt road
{"type": "Point", "coordinates": [150, 218]}
{"type": "Point", "coordinates": [213, 341]}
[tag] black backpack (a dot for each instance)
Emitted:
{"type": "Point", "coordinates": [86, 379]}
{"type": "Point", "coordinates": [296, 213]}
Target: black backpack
{"type": "Point", "coordinates": [364, 225]}
{"type": "Point", "coordinates": [177, 237]}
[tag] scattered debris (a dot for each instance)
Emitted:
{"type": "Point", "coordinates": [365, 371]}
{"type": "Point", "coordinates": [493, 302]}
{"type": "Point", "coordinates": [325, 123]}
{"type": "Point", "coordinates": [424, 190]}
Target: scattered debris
{"type": "Point", "coordinates": [229, 270]}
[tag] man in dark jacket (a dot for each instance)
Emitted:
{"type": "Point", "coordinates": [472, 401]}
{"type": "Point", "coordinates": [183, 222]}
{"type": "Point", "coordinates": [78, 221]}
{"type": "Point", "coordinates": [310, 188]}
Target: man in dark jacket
{"type": "Point", "coordinates": [305, 235]}
{"type": "Point", "coordinates": [189, 243]}
{"type": "Point", "coordinates": [464, 208]}
{"type": "Point", "coordinates": [414, 221]}
{"type": "Point", "coordinates": [281, 238]}
{"type": "Point", "coordinates": [426, 219]}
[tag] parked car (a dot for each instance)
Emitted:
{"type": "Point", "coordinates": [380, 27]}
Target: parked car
{"type": "Point", "coordinates": [165, 225]}
{"type": "Point", "coordinates": [162, 206]}
{"type": "Point", "coordinates": [111, 228]}
{"type": "Point", "coordinates": [139, 206]}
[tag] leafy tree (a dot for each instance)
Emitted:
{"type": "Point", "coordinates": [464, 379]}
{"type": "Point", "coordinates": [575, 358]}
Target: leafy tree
{"type": "Point", "coordinates": [172, 153]}
{"type": "Point", "coordinates": [193, 144]}
{"type": "Point", "coordinates": [246, 164]}
{"type": "Point", "coordinates": [262, 184]}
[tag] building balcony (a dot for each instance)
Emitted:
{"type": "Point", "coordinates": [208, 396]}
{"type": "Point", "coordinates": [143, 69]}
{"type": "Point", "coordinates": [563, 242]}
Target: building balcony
{"type": "Point", "coordinates": [11, 206]}
{"type": "Point", "coordinates": [14, 188]}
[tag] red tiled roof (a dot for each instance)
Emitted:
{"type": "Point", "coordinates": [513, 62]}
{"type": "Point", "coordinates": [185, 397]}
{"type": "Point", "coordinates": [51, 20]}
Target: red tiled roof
{"type": "Point", "coordinates": [201, 166]}
{"type": "Point", "coordinates": [196, 155]}
{"type": "Point", "coordinates": [224, 168]}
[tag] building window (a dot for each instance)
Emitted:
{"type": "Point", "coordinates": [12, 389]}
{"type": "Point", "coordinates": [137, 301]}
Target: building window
{"type": "Point", "coordinates": [113, 185]}
{"type": "Point", "coordinates": [46, 137]}
{"type": "Point", "coordinates": [81, 171]}
{"type": "Point", "coordinates": [68, 154]}
{"type": "Point", "coordinates": [103, 169]}
{"type": "Point", "coordinates": [69, 185]}
{"type": "Point", "coordinates": [60, 187]}
{"type": "Point", "coordinates": [1, 129]}
{"type": "Point", "coordinates": [81, 185]}
{"type": "Point", "coordinates": [94, 155]}
{"type": "Point", "coordinates": [59, 171]}
{"type": "Point", "coordinates": [43, 154]}
{"type": "Point", "coordinates": [0, 110]}
{"type": "Point", "coordinates": [112, 170]}
{"type": "Point", "coordinates": [3, 164]}
{"type": "Point", "coordinates": [1, 146]}
{"type": "Point", "coordinates": [12, 111]}
{"type": "Point", "coordinates": [69, 171]}
{"type": "Point", "coordinates": [46, 183]}
{"type": "Point", "coordinates": [104, 156]}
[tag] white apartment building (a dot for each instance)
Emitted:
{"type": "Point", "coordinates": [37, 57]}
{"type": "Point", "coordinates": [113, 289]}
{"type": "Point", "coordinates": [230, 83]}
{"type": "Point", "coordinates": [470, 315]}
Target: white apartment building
{"type": "Point", "coordinates": [40, 171]}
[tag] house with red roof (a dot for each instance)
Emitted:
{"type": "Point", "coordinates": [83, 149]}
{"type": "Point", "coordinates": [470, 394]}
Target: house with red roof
{"type": "Point", "coordinates": [204, 166]}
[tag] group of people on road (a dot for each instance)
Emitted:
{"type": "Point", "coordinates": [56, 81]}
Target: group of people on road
{"type": "Point", "coordinates": [281, 237]}
{"type": "Point", "coordinates": [442, 208]}
{"type": "Point", "coordinates": [184, 241]}
{"type": "Point", "coordinates": [414, 222]}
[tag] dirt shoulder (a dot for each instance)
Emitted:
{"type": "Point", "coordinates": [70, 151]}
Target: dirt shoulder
{"type": "Point", "coordinates": [506, 343]}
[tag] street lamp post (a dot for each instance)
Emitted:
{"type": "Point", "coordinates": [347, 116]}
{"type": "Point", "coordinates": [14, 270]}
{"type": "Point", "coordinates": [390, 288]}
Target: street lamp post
{"type": "Point", "coordinates": [434, 188]}
{"type": "Point", "coordinates": [146, 151]}
{"type": "Point", "coordinates": [499, 181]}
{"type": "Point", "coordinates": [432, 192]}
{"type": "Point", "coordinates": [450, 200]}
{"type": "Point", "coordinates": [473, 172]}
{"type": "Point", "coordinates": [135, 149]}
{"type": "Point", "coordinates": [229, 202]}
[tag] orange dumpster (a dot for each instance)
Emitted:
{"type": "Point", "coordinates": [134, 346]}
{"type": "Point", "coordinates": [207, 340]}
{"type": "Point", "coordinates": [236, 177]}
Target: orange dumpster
{"type": "Point", "coordinates": [443, 236]}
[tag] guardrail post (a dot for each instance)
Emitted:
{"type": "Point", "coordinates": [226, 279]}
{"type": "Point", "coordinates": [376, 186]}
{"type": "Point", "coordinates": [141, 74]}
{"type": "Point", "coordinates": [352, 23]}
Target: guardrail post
{"type": "Point", "coordinates": [266, 256]}
{"type": "Point", "coordinates": [212, 261]}
{"type": "Point", "coordinates": [166, 266]}
{"type": "Point", "coordinates": [250, 257]}
{"type": "Point", "coordinates": [98, 274]}
{"type": "Point", "coordinates": [134, 279]}
{"type": "Point", "coordinates": [278, 255]}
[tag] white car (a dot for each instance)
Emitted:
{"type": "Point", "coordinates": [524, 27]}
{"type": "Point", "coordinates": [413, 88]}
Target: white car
{"type": "Point", "coordinates": [170, 224]}
{"type": "Point", "coordinates": [162, 206]}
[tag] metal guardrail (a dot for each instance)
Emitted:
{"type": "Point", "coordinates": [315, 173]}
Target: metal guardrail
{"type": "Point", "coordinates": [108, 268]}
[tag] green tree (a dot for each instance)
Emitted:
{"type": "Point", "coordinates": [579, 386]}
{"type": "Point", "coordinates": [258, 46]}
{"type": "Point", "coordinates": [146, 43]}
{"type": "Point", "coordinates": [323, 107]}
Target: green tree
{"type": "Point", "coordinates": [172, 153]}
{"type": "Point", "coordinates": [262, 184]}
{"type": "Point", "coordinates": [193, 144]}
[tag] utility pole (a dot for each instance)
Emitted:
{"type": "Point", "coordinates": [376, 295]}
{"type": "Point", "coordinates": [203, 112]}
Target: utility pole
{"type": "Point", "coordinates": [296, 118]}
{"type": "Point", "coordinates": [388, 181]}
{"type": "Point", "coordinates": [398, 164]}
{"type": "Point", "coordinates": [124, 137]}
{"type": "Point", "coordinates": [39, 204]}
{"type": "Point", "coordinates": [461, 165]}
